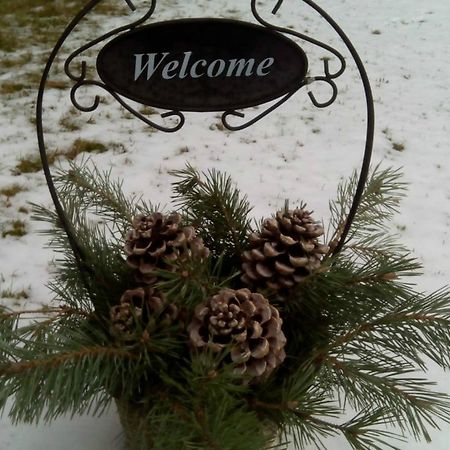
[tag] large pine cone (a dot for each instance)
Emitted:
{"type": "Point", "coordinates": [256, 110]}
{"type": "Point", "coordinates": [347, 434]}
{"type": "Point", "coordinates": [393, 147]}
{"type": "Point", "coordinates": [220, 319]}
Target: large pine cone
{"type": "Point", "coordinates": [158, 241]}
{"type": "Point", "coordinates": [141, 309]}
{"type": "Point", "coordinates": [246, 322]}
{"type": "Point", "coordinates": [284, 252]}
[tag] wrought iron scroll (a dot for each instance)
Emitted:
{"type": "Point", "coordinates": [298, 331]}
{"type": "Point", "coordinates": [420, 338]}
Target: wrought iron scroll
{"type": "Point", "coordinates": [81, 81]}
{"type": "Point", "coordinates": [328, 76]}
{"type": "Point", "coordinates": [124, 104]}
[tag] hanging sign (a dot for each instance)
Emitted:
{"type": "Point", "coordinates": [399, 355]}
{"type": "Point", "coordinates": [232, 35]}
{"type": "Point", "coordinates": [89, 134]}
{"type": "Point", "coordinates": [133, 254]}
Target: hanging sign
{"type": "Point", "coordinates": [202, 65]}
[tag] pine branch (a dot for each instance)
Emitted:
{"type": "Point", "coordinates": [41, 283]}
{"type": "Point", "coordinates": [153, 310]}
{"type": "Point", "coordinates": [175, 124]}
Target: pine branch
{"type": "Point", "coordinates": [43, 321]}
{"type": "Point", "coordinates": [359, 431]}
{"type": "Point", "coordinates": [96, 191]}
{"type": "Point", "coordinates": [70, 366]}
{"type": "Point", "coordinates": [306, 413]}
{"type": "Point", "coordinates": [372, 363]}
{"type": "Point", "coordinates": [381, 330]}
{"type": "Point", "coordinates": [305, 422]}
{"type": "Point", "coordinates": [206, 410]}
{"type": "Point", "coordinates": [58, 374]}
{"type": "Point", "coordinates": [410, 400]}
{"type": "Point", "coordinates": [43, 312]}
{"type": "Point", "coordinates": [419, 319]}
{"type": "Point", "coordinates": [215, 207]}
{"type": "Point", "coordinates": [362, 435]}
{"type": "Point", "coordinates": [108, 276]}
{"type": "Point", "coordinates": [380, 201]}
{"type": "Point", "coordinates": [382, 268]}
{"type": "Point", "coordinates": [374, 245]}
{"type": "Point", "coordinates": [349, 293]}
{"type": "Point", "coordinates": [55, 361]}
{"type": "Point", "coordinates": [193, 281]}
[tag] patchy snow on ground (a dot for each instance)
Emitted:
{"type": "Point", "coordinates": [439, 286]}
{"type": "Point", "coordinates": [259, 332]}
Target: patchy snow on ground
{"type": "Point", "coordinates": [298, 152]}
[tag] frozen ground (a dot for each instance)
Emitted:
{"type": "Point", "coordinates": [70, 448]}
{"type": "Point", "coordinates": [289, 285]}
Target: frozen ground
{"type": "Point", "coordinates": [299, 152]}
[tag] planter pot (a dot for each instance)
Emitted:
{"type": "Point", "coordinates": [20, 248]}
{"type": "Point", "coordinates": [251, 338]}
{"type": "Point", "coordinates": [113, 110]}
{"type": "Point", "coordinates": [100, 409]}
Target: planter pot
{"type": "Point", "coordinates": [136, 435]}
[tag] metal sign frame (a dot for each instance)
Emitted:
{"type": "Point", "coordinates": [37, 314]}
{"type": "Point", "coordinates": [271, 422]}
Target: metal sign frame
{"type": "Point", "coordinates": [80, 79]}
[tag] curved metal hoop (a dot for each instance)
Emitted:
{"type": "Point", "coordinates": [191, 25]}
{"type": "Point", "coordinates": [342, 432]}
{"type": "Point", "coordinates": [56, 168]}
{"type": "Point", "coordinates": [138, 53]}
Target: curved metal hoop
{"type": "Point", "coordinates": [80, 81]}
{"type": "Point", "coordinates": [364, 172]}
{"type": "Point", "coordinates": [65, 223]}
{"type": "Point", "coordinates": [78, 253]}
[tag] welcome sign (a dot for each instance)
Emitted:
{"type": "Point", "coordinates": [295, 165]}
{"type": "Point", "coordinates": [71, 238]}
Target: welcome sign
{"type": "Point", "coordinates": [202, 65]}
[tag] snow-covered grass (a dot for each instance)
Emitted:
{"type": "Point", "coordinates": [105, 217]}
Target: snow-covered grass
{"type": "Point", "coordinates": [299, 152]}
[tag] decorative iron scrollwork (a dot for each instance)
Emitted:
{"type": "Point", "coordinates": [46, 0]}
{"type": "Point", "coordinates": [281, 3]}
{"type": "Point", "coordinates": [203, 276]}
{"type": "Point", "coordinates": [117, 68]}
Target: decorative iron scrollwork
{"type": "Point", "coordinates": [251, 122]}
{"type": "Point", "coordinates": [328, 76]}
{"type": "Point", "coordinates": [81, 81]}
{"type": "Point", "coordinates": [104, 37]}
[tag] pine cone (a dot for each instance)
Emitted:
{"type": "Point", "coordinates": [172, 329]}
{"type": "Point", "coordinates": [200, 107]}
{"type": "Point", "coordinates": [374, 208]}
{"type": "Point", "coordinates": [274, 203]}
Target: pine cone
{"type": "Point", "coordinates": [141, 309]}
{"type": "Point", "coordinates": [158, 241]}
{"type": "Point", "coordinates": [284, 252]}
{"type": "Point", "coordinates": [246, 322]}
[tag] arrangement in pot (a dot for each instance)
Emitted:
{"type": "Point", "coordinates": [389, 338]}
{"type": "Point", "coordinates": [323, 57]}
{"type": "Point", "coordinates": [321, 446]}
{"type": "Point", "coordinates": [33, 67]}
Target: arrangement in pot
{"type": "Point", "coordinates": [211, 331]}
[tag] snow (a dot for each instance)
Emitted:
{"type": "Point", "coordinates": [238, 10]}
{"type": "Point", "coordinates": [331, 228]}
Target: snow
{"type": "Point", "coordinates": [298, 152]}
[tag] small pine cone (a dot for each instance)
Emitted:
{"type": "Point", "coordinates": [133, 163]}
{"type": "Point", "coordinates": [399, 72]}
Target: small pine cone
{"type": "Point", "coordinates": [157, 241]}
{"type": "Point", "coordinates": [141, 309]}
{"type": "Point", "coordinates": [247, 323]}
{"type": "Point", "coordinates": [284, 252]}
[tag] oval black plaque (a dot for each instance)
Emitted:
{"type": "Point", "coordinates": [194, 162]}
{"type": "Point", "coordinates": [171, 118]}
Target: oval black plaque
{"type": "Point", "coordinates": [202, 65]}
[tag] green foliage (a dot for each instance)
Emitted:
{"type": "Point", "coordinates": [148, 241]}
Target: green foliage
{"type": "Point", "coordinates": [107, 276]}
{"type": "Point", "coordinates": [216, 209]}
{"type": "Point", "coordinates": [370, 232]}
{"type": "Point", "coordinates": [94, 191]}
{"type": "Point", "coordinates": [194, 280]}
{"type": "Point", "coordinates": [209, 411]}
{"type": "Point", "coordinates": [357, 330]}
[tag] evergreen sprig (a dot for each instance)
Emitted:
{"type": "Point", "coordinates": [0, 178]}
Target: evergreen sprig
{"type": "Point", "coordinates": [107, 276]}
{"type": "Point", "coordinates": [94, 191]}
{"type": "Point", "coordinates": [194, 280]}
{"type": "Point", "coordinates": [370, 232]}
{"type": "Point", "coordinates": [215, 207]}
